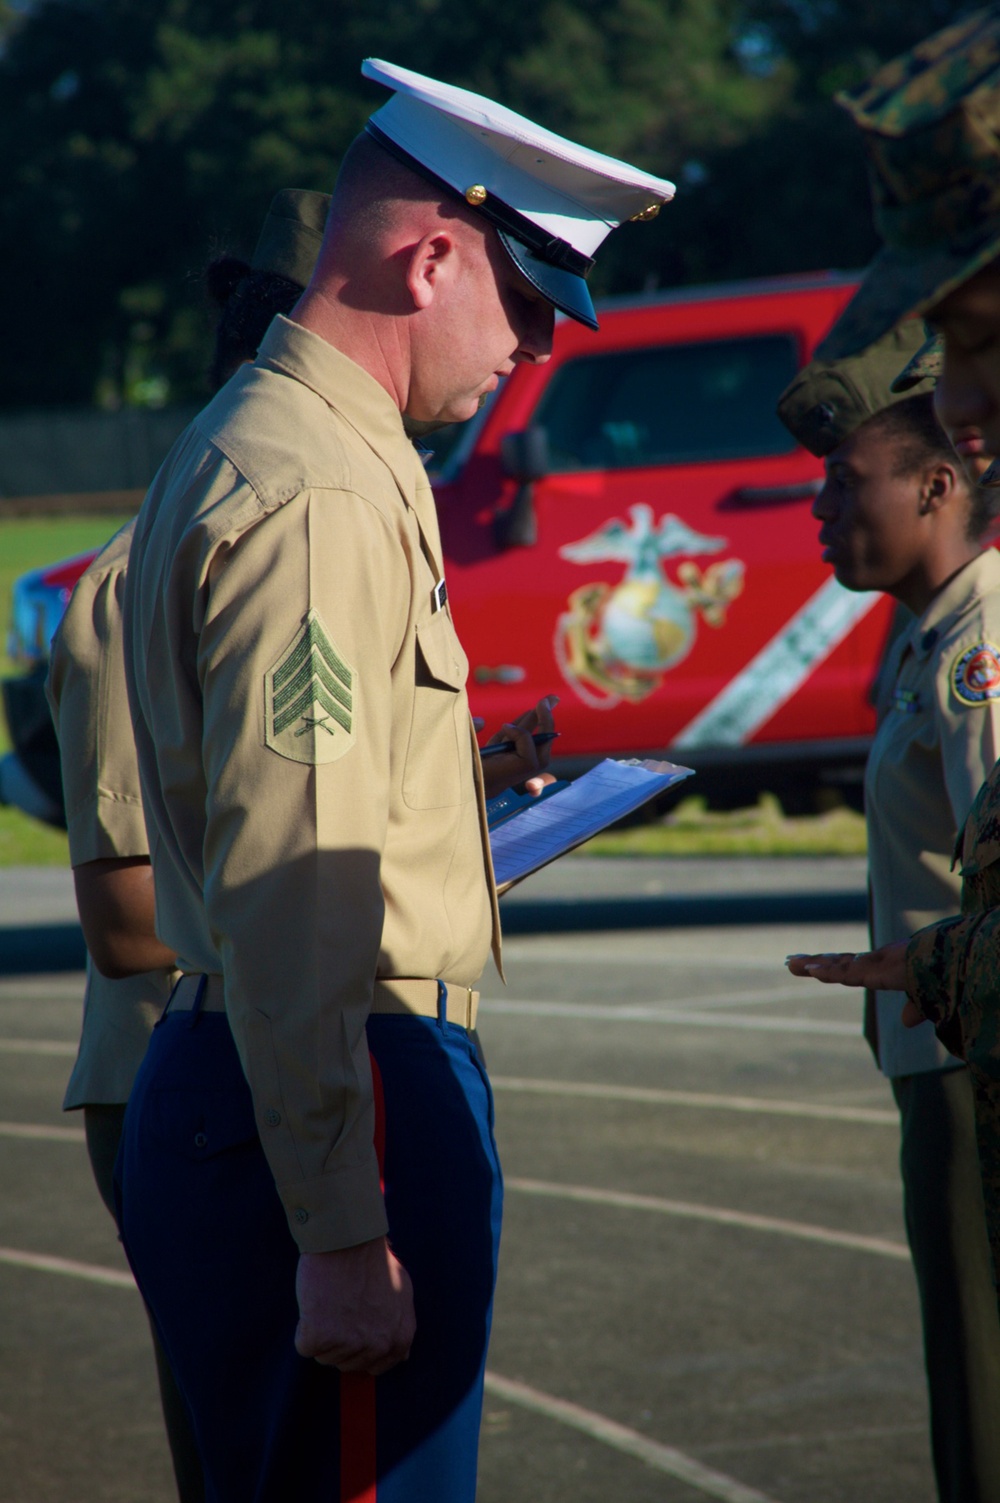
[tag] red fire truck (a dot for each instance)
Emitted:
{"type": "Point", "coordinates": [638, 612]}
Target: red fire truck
{"type": "Point", "coordinates": [629, 526]}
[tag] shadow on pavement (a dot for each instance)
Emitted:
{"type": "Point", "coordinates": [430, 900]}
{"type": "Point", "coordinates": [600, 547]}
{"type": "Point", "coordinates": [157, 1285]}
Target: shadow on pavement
{"type": "Point", "coordinates": [40, 948]}
{"type": "Point", "coordinates": [568, 915]}
{"type": "Point", "coordinates": [575, 914]}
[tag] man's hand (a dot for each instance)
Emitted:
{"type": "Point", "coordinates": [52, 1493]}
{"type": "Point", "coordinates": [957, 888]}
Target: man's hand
{"type": "Point", "coordinates": [881, 970]}
{"type": "Point", "coordinates": [355, 1308]}
{"type": "Point", "coordinates": [525, 762]}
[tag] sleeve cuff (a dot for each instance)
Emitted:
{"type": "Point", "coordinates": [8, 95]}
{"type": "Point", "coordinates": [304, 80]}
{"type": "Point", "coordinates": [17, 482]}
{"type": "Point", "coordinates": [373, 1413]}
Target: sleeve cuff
{"type": "Point", "coordinates": [107, 827]}
{"type": "Point", "coordinates": [342, 1209]}
{"type": "Point", "coordinates": [933, 972]}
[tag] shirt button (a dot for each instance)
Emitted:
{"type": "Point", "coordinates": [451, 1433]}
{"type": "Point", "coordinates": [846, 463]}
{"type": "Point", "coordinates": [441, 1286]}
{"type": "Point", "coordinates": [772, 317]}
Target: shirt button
{"type": "Point", "coordinates": [271, 1117]}
{"type": "Point", "coordinates": [200, 1140]}
{"type": "Point", "coordinates": [301, 1215]}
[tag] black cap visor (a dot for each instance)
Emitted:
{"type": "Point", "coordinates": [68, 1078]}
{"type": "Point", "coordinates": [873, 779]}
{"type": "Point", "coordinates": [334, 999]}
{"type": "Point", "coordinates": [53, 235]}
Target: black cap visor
{"type": "Point", "coordinates": [567, 291]}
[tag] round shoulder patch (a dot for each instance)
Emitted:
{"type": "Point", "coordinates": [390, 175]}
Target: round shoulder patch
{"type": "Point", "coordinates": [975, 674]}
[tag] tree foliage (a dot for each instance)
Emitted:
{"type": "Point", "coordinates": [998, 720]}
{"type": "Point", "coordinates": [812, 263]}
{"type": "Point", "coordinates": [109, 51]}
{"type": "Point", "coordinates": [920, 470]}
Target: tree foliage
{"type": "Point", "coordinates": [142, 136]}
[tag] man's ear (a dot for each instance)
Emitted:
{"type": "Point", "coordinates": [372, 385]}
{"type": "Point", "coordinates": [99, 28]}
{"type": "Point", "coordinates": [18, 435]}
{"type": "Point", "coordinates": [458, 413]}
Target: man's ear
{"type": "Point", "coordinates": [940, 484]}
{"type": "Point", "coordinates": [430, 260]}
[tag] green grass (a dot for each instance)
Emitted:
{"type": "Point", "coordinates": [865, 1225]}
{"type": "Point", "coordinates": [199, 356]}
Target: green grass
{"type": "Point", "coordinates": [25, 842]}
{"type": "Point", "coordinates": [28, 543]}
{"type": "Point", "coordinates": [692, 830]}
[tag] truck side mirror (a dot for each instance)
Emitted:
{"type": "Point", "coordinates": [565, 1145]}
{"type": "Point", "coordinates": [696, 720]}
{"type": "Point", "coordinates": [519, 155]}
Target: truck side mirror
{"type": "Point", "coordinates": [525, 455]}
{"type": "Point", "coordinates": [525, 458]}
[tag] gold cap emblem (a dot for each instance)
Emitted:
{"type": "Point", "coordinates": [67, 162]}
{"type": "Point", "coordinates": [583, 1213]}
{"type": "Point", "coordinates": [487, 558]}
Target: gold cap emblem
{"type": "Point", "coordinates": [475, 195]}
{"type": "Point", "coordinates": [649, 212]}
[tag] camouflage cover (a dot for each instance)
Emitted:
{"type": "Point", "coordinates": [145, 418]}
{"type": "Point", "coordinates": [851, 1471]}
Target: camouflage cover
{"type": "Point", "coordinates": [925, 367]}
{"type": "Point", "coordinates": [290, 239]}
{"type": "Point", "coordinates": [829, 399]}
{"type": "Point", "coordinates": [930, 121]}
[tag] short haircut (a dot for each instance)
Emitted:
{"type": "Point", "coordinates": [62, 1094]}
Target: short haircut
{"type": "Point", "coordinates": [369, 181]}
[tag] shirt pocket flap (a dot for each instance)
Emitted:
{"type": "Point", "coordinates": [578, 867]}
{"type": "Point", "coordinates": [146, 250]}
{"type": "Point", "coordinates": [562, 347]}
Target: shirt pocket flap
{"type": "Point", "coordinates": [441, 652]}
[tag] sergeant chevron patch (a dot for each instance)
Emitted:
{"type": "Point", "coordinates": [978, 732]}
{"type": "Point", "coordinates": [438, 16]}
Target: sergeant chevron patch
{"type": "Point", "coordinates": [310, 698]}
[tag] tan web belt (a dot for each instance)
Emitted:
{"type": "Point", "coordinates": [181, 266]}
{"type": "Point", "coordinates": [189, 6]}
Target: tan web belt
{"type": "Point", "coordinates": [400, 996]}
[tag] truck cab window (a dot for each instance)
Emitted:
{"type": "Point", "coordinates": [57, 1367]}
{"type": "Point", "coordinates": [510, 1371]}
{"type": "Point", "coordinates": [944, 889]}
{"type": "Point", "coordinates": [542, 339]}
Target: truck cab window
{"type": "Point", "coordinates": [669, 404]}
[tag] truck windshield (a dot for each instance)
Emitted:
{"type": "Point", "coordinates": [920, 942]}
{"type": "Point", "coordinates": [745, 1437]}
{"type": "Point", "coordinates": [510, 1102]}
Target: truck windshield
{"type": "Point", "coordinates": [669, 404]}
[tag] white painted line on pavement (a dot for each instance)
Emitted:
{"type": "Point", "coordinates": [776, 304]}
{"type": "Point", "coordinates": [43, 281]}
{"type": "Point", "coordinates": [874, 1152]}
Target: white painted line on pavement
{"type": "Point", "coordinates": [64, 987]}
{"type": "Point", "coordinates": [654, 1012]}
{"type": "Point", "coordinates": [93, 1273]}
{"type": "Point", "coordinates": [802, 1230]}
{"type": "Point", "coordinates": [663, 1458]}
{"type": "Point", "coordinates": [41, 1132]}
{"type": "Point", "coordinates": [808, 994]}
{"type": "Point", "coordinates": [873, 1116]}
{"type": "Point", "coordinates": [37, 1046]}
{"type": "Point", "coordinates": [760, 996]}
{"type": "Point", "coordinates": [662, 954]}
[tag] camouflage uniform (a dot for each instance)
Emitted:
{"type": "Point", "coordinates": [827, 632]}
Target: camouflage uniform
{"type": "Point", "coordinates": [930, 121]}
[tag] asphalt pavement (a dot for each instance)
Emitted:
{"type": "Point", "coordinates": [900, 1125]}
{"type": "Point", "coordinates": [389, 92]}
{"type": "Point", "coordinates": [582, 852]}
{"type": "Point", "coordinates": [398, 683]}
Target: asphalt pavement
{"type": "Point", "coordinates": [704, 1288]}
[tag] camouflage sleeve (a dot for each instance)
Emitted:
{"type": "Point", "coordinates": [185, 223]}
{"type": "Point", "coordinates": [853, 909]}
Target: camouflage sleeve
{"type": "Point", "coordinates": [952, 974]}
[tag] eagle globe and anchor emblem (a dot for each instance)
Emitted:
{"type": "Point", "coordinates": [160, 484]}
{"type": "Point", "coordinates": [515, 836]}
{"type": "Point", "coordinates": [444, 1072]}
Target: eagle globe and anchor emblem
{"type": "Point", "coordinates": [617, 642]}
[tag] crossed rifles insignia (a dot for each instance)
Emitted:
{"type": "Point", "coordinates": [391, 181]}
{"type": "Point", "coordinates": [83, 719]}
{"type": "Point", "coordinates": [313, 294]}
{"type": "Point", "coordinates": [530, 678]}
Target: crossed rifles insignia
{"type": "Point", "coordinates": [309, 698]}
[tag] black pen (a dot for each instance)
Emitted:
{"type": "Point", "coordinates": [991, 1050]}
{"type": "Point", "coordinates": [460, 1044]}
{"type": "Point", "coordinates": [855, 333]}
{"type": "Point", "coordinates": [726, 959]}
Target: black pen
{"type": "Point", "coordinates": [541, 738]}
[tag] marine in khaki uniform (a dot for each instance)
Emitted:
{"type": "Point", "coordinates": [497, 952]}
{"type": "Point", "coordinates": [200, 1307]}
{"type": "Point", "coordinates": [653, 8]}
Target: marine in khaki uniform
{"type": "Point", "coordinates": [899, 514]}
{"type": "Point", "coordinates": [311, 1194]}
{"type": "Point", "coordinates": [109, 849]}
{"type": "Point", "coordinates": [110, 858]}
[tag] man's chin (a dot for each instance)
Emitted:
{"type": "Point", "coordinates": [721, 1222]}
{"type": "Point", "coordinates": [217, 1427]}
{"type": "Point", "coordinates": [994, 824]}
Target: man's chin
{"type": "Point", "coordinates": [454, 412]}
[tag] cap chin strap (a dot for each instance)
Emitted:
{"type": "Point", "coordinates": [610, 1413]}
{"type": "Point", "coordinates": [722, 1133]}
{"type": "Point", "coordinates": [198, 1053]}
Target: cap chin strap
{"type": "Point", "coordinates": [549, 247]}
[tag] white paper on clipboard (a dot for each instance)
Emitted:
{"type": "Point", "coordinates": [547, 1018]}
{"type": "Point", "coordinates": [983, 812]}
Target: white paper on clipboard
{"type": "Point", "coordinates": [547, 831]}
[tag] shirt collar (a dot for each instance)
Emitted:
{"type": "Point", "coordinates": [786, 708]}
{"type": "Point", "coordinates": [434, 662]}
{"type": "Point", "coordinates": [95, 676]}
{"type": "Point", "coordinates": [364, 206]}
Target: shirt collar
{"type": "Point", "coordinates": [349, 390]}
{"type": "Point", "coordinates": [976, 579]}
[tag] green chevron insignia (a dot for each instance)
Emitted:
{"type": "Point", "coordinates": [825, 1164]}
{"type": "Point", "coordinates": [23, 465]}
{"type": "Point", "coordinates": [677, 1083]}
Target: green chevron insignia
{"type": "Point", "coordinates": [310, 698]}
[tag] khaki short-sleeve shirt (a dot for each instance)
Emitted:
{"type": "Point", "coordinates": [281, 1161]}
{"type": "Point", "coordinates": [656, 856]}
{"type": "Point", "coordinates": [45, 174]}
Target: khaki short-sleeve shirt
{"type": "Point", "coordinates": [305, 748]}
{"type": "Point", "coordinates": [86, 691]}
{"type": "Point", "coordinates": [937, 740]}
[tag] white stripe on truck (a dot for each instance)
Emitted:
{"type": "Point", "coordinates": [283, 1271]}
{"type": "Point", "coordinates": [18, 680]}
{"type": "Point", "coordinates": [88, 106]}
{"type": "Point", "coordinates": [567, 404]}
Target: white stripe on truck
{"type": "Point", "coordinates": [779, 670]}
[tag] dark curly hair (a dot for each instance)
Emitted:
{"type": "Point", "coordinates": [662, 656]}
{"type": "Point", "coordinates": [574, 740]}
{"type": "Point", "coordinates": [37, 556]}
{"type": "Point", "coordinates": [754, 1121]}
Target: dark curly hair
{"type": "Point", "coordinates": [247, 301]}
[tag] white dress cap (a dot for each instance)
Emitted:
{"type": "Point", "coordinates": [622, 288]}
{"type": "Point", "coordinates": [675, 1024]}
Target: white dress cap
{"type": "Point", "coordinates": [553, 202]}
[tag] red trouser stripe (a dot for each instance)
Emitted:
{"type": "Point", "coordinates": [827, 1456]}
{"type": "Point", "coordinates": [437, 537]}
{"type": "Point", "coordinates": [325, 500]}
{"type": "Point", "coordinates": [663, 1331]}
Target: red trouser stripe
{"type": "Point", "coordinates": [358, 1447]}
{"type": "Point", "coordinates": [357, 1439]}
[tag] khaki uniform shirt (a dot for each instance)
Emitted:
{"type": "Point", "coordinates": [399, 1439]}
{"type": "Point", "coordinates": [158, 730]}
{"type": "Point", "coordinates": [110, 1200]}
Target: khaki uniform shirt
{"type": "Point", "coordinates": [307, 757]}
{"type": "Point", "coordinates": [86, 691]}
{"type": "Point", "coordinates": [935, 745]}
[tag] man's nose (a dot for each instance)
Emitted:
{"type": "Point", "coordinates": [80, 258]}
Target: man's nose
{"type": "Point", "coordinates": [823, 507]}
{"type": "Point", "coordinates": [536, 344]}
